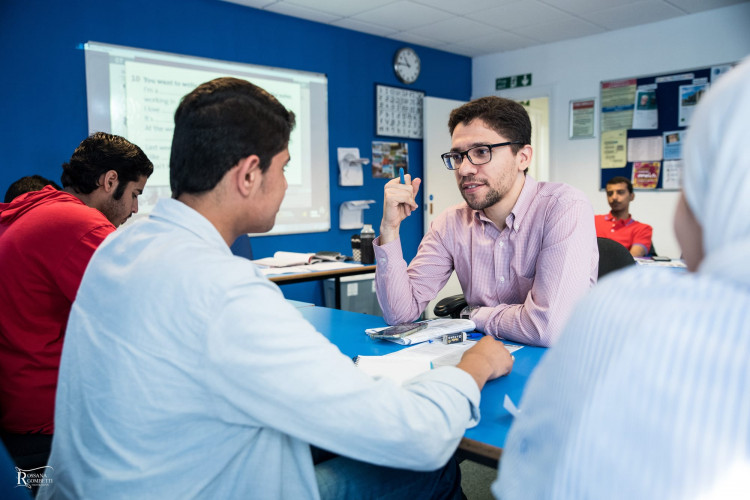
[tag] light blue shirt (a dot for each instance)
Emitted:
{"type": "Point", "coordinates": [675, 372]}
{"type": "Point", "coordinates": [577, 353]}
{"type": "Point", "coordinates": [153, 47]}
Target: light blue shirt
{"type": "Point", "coordinates": [646, 395]}
{"type": "Point", "coordinates": [185, 374]}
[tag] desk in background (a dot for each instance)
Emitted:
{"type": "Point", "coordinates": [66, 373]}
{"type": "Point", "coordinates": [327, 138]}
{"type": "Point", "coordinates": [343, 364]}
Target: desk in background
{"type": "Point", "coordinates": [482, 443]}
{"type": "Point", "coordinates": [336, 274]}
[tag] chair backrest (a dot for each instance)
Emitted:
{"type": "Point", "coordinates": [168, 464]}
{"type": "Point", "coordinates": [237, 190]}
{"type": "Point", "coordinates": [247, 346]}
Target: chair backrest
{"type": "Point", "coordinates": [242, 248]}
{"type": "Point", "coordinates": [612, 256]}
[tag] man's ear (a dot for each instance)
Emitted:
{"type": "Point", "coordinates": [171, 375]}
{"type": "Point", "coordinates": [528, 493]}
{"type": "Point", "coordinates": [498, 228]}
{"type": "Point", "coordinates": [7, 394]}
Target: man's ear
{"type": "Point", "coordinates": [523, 157]}
{"type": "Point", "coordinates": [248, 174]}
{"type": "Point", "coordinates": [632, 196]}
{"type": "Point", "coordinates": [109, 181]}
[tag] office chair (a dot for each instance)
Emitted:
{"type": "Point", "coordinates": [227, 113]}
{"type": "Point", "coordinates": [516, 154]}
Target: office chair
{"type": "Point", "coordinates": [242, 248]}
{"type": "Point", "coordinates": [612, 256]}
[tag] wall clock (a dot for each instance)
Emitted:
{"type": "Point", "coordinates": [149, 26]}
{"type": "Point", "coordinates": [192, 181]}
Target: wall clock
{"type": "Point", "coordinates": [406, 64]}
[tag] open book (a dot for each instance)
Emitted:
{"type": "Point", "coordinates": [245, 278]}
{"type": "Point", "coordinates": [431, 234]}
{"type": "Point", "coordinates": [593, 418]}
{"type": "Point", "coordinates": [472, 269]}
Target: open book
{"type": "Point", "coordinates": [435, 328]}
{"type": "Point", "coordinates": [285, 259]}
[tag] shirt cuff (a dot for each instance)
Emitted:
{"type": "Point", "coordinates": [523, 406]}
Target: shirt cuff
{"type": "Point", "coordinates": [459, 380]}
{"type": "Point", "coordinates": [390, 252]}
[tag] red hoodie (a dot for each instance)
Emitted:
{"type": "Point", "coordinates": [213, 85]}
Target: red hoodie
{"type": "Point", "coordinates": [46, 240]}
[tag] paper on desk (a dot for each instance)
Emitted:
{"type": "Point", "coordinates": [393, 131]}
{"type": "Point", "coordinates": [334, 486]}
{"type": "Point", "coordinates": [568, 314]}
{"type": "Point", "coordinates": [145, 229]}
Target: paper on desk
{"type": "Point", "coordinates": [350, 213]}
{"type": "Point", "coordinates": [512, 409]}
{"type": "Point", "coordinates": [397, 369]}
{"type": "Point", "coordinates": [310, 268]}
{"type": "Point", "coordinates": [405, 364]}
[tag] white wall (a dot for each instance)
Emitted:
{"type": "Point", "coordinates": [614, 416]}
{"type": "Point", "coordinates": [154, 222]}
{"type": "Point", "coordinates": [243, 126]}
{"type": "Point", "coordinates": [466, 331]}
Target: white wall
{"type": "Point", "coordinates": [574, 69]}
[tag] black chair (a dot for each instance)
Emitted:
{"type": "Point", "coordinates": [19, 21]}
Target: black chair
{"type": "Point", "coordinates": [612, 256]}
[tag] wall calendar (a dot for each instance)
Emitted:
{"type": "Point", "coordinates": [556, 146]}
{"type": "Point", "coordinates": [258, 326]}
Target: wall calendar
{"type": "Point", "coordinates": [398, 112]}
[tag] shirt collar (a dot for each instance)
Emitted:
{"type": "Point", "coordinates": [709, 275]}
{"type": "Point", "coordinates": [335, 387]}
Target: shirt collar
{"type": "Point", "coordinates": [622, 222]}
{"type": "Point", "coordinates": [177, 213]}
{"type": "Point", "coordinates": [523, 203]}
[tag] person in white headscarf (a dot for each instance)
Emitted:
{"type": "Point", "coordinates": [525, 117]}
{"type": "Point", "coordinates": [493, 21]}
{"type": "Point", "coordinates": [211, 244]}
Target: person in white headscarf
{"type": "Point", "coordinates": [647, 393]}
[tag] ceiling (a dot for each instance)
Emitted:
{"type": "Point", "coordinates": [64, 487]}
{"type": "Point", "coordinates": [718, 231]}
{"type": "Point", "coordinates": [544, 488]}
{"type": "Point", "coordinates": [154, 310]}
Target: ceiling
{"type": "Point", "coordinates": [476, 27]}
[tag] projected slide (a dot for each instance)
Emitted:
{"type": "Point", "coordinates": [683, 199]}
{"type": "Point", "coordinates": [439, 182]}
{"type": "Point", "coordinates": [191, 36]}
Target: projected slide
{"type": "Point", "coordinates": [135, 93]}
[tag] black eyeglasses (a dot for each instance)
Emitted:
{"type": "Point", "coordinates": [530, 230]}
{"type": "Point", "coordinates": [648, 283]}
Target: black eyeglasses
{"type": "Point", "coordinates": [478, 155]}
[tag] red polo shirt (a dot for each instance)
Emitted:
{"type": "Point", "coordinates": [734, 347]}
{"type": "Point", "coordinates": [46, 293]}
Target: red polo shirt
{"type": "Point", "coordinates": [46, 240]}
{"type": "Point", "coordinates": [627, 232]}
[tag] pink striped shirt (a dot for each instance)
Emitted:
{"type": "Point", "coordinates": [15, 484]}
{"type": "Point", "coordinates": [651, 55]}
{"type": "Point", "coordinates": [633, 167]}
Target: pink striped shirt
{"type": "Point", "coordinates": [526, 277]}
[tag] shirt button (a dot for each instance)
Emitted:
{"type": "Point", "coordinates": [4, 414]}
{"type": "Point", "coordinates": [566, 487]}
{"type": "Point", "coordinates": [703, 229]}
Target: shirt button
{"type": "Point", "coordinates": [501, 244]}
{"type": "Point", "coordinates": [516, 226]}
{"type": "Point", "coordinates": [502, 279]}
{"type": "Point", "coordinates": [612, 231]}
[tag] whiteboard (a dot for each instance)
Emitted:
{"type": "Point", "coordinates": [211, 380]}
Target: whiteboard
{"type": "Point", "coordinates": [134, 93]}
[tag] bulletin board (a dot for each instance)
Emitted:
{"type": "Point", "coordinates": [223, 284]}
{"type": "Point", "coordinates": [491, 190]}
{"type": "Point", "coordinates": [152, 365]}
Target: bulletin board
{"type": "Point", "coordinates": [643, 120]}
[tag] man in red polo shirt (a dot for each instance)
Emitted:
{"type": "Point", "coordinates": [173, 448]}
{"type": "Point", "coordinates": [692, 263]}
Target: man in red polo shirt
{"type": "Point", "coordinates": [618, 225]}
{"type": "Point", "coordinates": [46, 240]}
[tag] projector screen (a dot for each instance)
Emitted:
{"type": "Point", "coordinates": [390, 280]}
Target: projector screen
{"type": "Point", "coordinates": [134, 93]}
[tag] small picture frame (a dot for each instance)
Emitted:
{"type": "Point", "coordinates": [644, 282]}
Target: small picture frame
{"type": "Point", "coordinates": [398, 112]}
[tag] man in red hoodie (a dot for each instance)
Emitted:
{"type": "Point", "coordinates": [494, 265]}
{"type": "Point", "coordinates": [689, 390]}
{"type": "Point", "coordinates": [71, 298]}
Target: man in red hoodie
{"type": "Point", "coordinates": [46, 240]}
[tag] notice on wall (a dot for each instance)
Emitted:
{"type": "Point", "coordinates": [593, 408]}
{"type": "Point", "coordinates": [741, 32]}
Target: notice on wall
{"type": "Point", "coordinates": [645, 148]}
{"type": "Point", "coordinates": [582, 117]}
{"type": "Point", "coordinates": [646, 114]}
{"type": "Point", "coordinates": [613, 147]}
{"type": "Point", "coordinates": [689, 97]}
{"type": "Point", "coordinates": [673, 144]}
{"type": "Point", "coordinates": [672, 177]}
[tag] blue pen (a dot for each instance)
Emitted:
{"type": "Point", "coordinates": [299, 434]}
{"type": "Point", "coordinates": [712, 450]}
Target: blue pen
{"type": "Point", "coordinates": [401, 173]}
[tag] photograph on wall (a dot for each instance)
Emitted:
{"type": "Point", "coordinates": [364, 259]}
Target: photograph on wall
{"type": "Point", "coordinates": [388, 157]}
{"type": "Point", "coordinates": [689, 97]}
{"type": "Point", "coordinates": [646, 174]}
{"type": "Point", "coordinates": [673, 144]}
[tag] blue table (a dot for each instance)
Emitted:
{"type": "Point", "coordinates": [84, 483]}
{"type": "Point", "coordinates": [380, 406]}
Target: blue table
{"type": "Point", "coordinates": [482, 443]}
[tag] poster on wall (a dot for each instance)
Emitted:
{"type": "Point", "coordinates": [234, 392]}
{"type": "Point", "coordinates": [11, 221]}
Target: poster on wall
{"type": "Point", "coordinates": [617, 104]}
{"type": "Point", "coordinates": [646, 174]}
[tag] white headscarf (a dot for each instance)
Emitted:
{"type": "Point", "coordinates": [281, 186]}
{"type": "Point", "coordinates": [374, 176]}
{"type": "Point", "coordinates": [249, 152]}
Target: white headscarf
{"type": "Point", "coordinates": [717, 174]}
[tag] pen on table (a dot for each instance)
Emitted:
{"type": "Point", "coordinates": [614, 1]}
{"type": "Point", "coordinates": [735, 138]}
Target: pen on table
{"type": "Point", "coordinates": [401, 174]}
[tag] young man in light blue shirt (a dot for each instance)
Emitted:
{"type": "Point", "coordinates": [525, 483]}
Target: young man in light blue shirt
{"type": "Point", "coordinates": [186, 374]}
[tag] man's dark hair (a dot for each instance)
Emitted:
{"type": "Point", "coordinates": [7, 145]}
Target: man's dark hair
{"type": "Point", "coordinates": [621, 180]}
{"type": "Point", "coordinates": [99, 153]}
{"type": "Point", "coordinates": [218, 124]}
{"type": "Point", "coordinates": [505, 116]}
{"type": "Point", "coordinates": [27, 184]}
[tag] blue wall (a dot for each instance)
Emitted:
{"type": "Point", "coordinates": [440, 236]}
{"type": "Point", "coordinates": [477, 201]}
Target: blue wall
{"type": "Point", "coordinates": [44, 93]}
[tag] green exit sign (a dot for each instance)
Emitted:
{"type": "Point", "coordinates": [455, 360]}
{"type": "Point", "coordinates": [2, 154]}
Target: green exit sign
{"type": "Point", "coordinates": [510, 82]}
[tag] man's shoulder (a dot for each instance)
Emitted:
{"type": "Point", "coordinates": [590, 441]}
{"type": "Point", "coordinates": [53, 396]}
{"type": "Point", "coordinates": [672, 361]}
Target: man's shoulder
{"type": "Point", "coordinates": [560, 191]}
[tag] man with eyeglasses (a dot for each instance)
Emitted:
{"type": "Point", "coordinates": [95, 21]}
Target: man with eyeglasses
{"type": "Point", "coordinates": [524, 251]}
